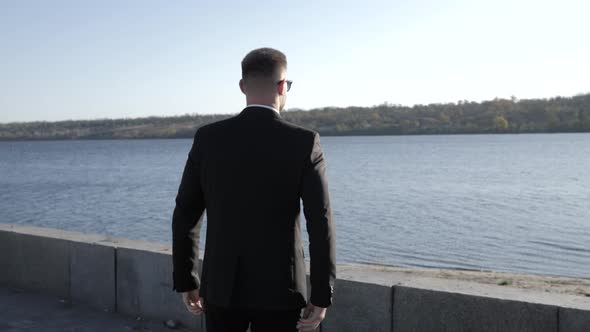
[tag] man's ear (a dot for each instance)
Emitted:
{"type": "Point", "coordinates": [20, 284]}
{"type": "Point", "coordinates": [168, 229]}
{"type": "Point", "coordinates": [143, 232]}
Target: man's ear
{"type": "Point", "coordinates": [281, 88]}
{"type": "Point", "coordinates": [242, 86]}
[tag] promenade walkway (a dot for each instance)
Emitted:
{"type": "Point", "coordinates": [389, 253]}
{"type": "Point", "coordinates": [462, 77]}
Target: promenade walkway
{"type": "Point", "coordinates": [26, 311]}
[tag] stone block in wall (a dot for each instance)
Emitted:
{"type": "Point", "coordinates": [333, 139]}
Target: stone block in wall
{"type": "Point", "coordinates": [144, 287]}
{"type": "Point", "coordinates": [428, 310]}
{"type": "Point", "coordinates": [574, 320]}
{"type": "Point", "coordinates": [9, 253]}
{"type": "Point", "coordinates": [35, 263]}
{"type": "Point", "coordinates": [92, 275]}
{"type": "Point", "coordinates": [359, 307]}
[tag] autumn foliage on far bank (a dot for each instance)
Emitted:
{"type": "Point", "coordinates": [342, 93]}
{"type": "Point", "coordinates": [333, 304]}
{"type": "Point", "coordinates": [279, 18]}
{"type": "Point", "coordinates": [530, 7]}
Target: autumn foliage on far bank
{"type": "Point", "coordinates": [560, 114]}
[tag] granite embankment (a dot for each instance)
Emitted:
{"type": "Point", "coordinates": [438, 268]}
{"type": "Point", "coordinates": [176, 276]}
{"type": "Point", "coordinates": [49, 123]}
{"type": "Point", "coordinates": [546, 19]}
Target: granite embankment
{"type": "Point", "coordinates": [123, 278]}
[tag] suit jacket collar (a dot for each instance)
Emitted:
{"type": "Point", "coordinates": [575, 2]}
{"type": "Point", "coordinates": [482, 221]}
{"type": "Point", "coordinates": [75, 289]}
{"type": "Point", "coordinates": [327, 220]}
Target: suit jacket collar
{"type": "Point", "coordinates": [257, 111]}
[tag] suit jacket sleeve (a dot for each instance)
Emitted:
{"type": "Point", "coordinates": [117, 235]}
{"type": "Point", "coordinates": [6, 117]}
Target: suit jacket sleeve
{"type": "Point", "coordinates": [190, 205]}
{"type": "Point", "coordinates": [320, 226]}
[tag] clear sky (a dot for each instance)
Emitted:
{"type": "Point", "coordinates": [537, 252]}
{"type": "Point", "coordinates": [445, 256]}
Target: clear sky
{"type": "Point", "coordinates": [114, 59]}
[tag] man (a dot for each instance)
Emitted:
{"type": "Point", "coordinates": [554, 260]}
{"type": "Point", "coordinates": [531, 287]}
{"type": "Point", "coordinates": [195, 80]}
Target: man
{"type": "Point", "coordinates": [249, 173]}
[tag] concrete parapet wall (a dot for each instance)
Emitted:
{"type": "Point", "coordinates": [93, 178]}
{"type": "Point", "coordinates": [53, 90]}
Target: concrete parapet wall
{"type": "Point", "coordinates": [359, 306]}
{"type": "Point", "coordinates": [135, 278]}
{"type": "Point", "coordinates": [36, 263]}
{"type": "Point", "coordinates": [92, 275]}
{"type": "Point", "coordinates": [427, 310]}
{"type": "Point", "coordinates": [574, 320]}
{"type": "Point", "coordinates": [68, 266]}
{"type": "Point", "coordinates": [144, 287]}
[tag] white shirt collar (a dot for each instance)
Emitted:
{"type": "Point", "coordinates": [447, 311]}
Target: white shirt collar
{"type": "Point", "coordinates": [263, 106]}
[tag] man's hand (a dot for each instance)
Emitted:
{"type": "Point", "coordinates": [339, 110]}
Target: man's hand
{"type": "Point", "coordinates": [312, 317]}
{"type": "Point", "coordinates": [193, 302]}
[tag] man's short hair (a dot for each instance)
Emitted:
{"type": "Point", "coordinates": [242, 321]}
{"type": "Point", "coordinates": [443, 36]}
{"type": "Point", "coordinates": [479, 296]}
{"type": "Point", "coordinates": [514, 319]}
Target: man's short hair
{"type": "Point", "coordinates": [263, 63]}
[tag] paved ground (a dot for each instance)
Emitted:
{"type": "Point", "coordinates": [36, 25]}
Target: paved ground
{"type": "Point", "coordinates": [26, 311]}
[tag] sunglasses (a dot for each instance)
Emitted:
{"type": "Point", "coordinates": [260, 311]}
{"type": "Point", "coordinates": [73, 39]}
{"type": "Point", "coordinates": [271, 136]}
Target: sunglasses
{"type": "Point", "coordinates": [289, 82]}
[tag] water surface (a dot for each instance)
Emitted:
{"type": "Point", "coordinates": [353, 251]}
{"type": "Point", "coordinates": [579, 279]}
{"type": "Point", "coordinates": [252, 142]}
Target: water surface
{"type": "Point", "coordinates": [514, 203]}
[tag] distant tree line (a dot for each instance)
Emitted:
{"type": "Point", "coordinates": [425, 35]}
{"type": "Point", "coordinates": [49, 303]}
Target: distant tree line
{"type": "Point", "coordinates": [560, 114]}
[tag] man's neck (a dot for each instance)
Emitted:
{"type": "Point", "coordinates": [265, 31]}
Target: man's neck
{"type": "Point", "coordinates": [272, 107]}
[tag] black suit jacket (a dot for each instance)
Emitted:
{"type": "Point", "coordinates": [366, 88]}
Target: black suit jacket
{"type": "Point", "coordinates": [249, 173]}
